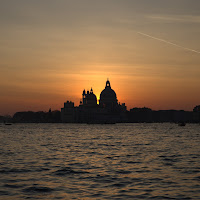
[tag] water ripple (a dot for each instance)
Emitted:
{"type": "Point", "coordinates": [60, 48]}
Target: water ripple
{"type": "Point", "coordinates": [79, 161]}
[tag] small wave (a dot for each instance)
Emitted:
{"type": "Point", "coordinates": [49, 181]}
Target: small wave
{"type": "Point", "coordinates": [13, 186]}
{"type": "Point", "coordinates": [118, 185]}
{"type": "Point", "coordinates": [109, 157]}
{"type": "Point", "coordinates": [102, 178]}
{"type": "Point", "coordinates": [192, 171]}
{"type": "Point", "coordinates": [197, 178]}
{"type": "Point", "coordinates": [91, 153]}
{"type": "Point", "coordinates": [124, 172]}
{"type": "Point", "coordinates": [68, 171]}
{"type": "Point", "coordinates": [161, 197]}
{"type": "Point", "coordinates": [41, 169]}
{"type": "Point", "coordinates": [4, 193]}
{"type": "Point", "coordinates": [37, 189]}
{"type": "Point", "coordinates": [155, 179]}
{"type": "Point", "coordinates": [129, 155]}
{"type": "Point", "coordinates": [126, 196]}
{"type": "Point", "coordinates": [168, 164]}
{"type": "Point", "coordinates": [137, 180]}
{"type": "Point", "coordinates": [9, 153]}
{"type": "Point", "coordinates": [14, 170]}
{"type": "Point", "coordinates": [142, 171]}
{"type": "Point", "coordinates": [132, 162]}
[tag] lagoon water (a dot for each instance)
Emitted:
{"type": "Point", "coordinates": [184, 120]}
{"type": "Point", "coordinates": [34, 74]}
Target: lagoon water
{"type": "Point", "coordinates": [80, 161]}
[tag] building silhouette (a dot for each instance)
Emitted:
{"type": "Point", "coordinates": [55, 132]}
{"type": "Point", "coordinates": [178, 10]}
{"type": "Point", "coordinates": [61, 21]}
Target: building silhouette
{"type": "Point", "coordinates": [108, 97]}
{"type": "Point", "coordinates": [108, 110]}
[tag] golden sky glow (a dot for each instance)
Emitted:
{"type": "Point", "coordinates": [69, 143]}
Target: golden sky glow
{"type": "Point", "coordinates": [51, 50]}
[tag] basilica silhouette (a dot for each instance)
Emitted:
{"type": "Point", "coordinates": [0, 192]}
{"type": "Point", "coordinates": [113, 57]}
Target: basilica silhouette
{"type": "Point", "coordinates": [110, 111]}
{"type": "Point", "coordinates": [107, 111]}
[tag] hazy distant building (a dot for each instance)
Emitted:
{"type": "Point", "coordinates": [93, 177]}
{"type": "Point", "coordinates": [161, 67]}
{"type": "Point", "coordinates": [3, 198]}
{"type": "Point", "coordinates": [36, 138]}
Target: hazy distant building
{"type": "Point", "coordinates": [196, 113]}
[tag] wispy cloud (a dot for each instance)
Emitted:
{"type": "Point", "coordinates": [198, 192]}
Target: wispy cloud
{"type": "Point", "coordinates": [176, 18]}
{"type": "Point", "coordinates": [168, 42]}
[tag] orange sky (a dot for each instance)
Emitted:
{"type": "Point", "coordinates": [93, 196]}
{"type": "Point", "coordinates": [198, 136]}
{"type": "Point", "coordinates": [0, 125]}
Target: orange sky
{"type": "Point", "coordinates": [50, 52]}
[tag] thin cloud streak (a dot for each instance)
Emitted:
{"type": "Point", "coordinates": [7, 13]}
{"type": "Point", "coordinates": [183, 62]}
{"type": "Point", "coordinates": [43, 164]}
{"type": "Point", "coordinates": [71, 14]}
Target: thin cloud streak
{"type": "Point", "coordinates": [176, 18]}
{"type": "Point", "coordinates": [162, 40]}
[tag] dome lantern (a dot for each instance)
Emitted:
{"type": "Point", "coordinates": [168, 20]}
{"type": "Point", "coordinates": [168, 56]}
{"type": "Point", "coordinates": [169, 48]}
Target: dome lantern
{"type": "Point", "coordinates": [91, 91]}
{"type": "Point", "coordinates": [108, 83]}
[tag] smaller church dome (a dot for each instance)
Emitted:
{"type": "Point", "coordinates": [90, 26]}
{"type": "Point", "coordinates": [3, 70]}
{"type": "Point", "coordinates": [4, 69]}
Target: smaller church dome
{"type": "Point", "coordinates": [89, 98]}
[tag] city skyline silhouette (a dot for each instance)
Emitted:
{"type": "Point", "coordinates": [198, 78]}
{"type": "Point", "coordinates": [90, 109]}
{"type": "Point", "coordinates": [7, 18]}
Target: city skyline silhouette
{"type": "Point", "coordinates": [106, 110]}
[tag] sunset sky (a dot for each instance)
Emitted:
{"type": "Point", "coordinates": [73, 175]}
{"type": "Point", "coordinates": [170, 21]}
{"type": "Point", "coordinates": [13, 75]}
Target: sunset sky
{"type": "Point", "coordinates": [50, 50]}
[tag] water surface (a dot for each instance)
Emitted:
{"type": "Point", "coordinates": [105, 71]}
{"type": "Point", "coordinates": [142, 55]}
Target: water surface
{"type": "Point", "coordinates": [120, 161]}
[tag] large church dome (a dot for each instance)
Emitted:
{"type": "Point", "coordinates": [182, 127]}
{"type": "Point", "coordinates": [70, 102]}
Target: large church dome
{"type": "Point", "coordinates": [108, 92]}
{"type": "Point", "coordinates": [108, 97]}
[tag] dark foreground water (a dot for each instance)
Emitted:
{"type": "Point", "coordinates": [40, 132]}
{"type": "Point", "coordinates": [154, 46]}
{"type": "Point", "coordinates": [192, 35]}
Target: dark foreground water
{"type": "Point", "coordinates": [121, 161]}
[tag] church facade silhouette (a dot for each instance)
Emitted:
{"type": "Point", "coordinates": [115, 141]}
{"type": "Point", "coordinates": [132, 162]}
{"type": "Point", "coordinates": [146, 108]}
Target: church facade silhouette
{"type": "Point", "coordinates": [107, 111]}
